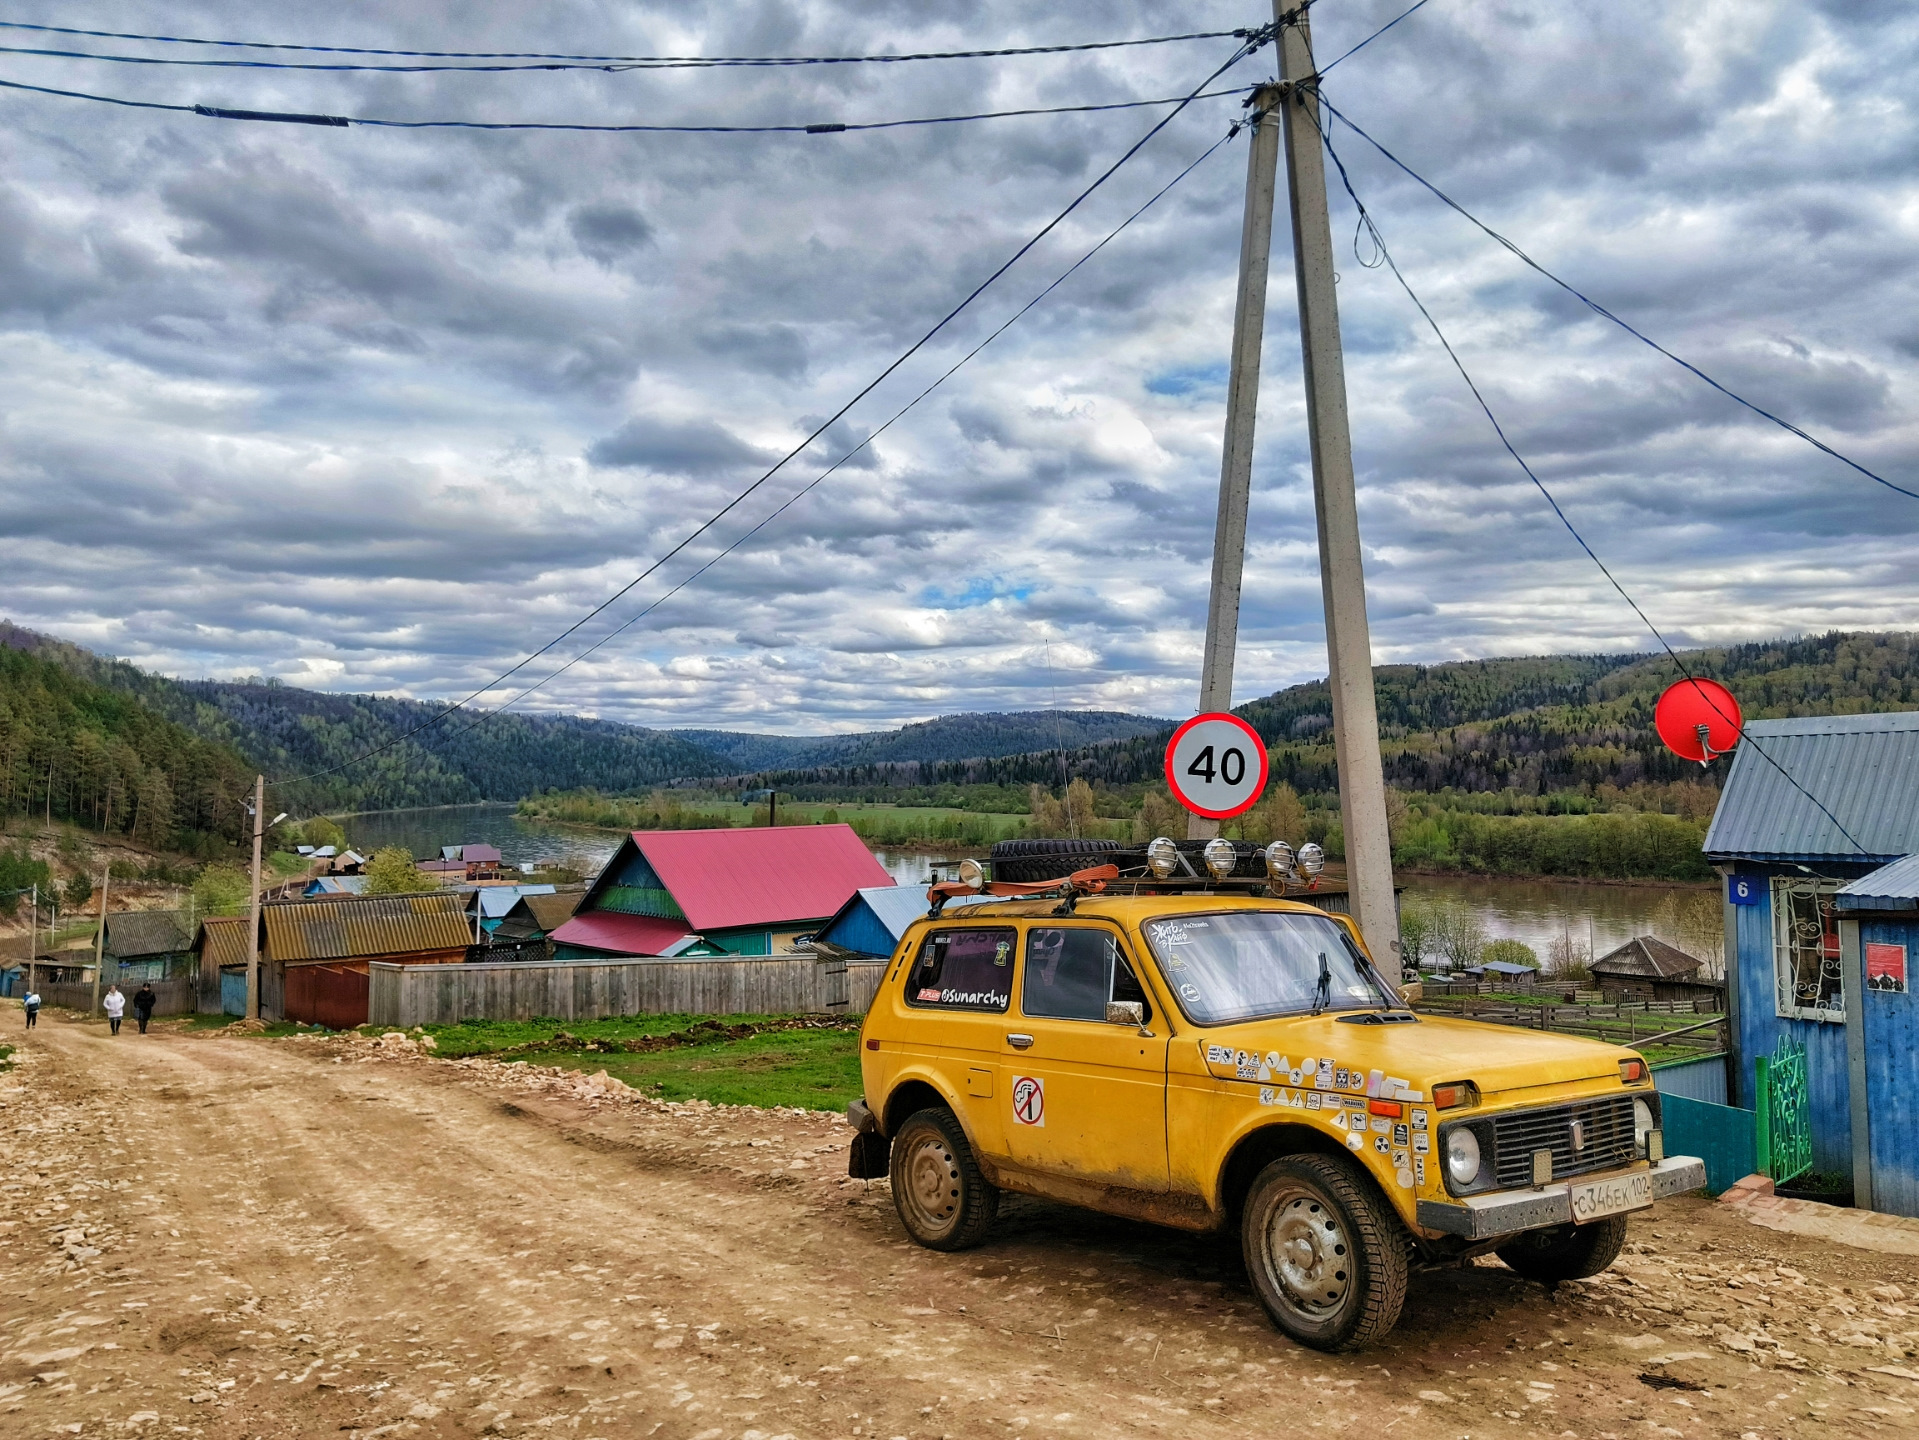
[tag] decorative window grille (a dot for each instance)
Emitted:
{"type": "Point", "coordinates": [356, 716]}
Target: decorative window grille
{"type": "Point", "coordinates": [1805, 930]}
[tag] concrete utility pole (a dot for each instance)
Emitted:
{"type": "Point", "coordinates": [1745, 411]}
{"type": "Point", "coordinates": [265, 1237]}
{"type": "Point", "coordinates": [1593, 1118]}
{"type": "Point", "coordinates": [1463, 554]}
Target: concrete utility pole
{"type": "Point", "coordinates": [1362, 783]}
{"type": "Point", "coordinates": [253, 928]}
{"type": "Point", "coordinates": [1242, 406]}
{"type": "Point", "coordinates": [100, 938]}
{"type": "Point", "coordinates": [33, 938]}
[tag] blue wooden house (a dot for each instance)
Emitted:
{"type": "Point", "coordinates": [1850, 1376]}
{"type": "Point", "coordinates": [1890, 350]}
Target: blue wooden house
{"type": "Point", "coordinates": [1810, 807]}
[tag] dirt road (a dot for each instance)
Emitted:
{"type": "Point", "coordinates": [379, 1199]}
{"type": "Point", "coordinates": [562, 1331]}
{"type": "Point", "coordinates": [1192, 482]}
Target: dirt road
{"type": "Point", "coordinates": [228, 1237]}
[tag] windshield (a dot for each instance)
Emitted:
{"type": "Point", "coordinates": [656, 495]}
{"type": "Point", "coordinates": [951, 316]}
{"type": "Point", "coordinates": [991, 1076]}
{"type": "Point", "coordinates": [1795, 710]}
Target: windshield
{"type": "Point", "coordinates": [1226, 968]}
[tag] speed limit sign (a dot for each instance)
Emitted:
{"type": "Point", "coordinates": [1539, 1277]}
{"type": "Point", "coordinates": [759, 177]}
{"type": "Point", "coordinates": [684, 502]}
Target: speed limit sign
{"type": "Point", "coordinates": [1216, 765]}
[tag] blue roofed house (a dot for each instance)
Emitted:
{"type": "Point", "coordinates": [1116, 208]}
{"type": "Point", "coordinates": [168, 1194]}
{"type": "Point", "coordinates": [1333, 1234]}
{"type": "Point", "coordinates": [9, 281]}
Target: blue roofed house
{"type": "Point", "coordinates": [1812, 834]}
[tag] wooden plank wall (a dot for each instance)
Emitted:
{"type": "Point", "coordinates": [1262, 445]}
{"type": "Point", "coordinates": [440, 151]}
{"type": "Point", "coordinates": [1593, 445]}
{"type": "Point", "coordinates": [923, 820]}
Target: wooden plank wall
{"type": "Point", "coordinates": [408, 995]}
{"type": "Point", "coordinates": [1891, 1047]}
{"type": "Point", "coordinates": [174, 997]}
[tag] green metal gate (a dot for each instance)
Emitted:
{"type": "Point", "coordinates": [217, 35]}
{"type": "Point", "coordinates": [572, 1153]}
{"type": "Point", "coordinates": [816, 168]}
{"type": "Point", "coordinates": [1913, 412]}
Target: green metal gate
{"type": "Point", "coordinates": [1784, 1139]}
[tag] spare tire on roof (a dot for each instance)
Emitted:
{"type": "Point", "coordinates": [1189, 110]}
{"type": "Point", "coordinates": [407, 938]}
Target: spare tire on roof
{"type": "Point", "coordinates": [1026, 862]}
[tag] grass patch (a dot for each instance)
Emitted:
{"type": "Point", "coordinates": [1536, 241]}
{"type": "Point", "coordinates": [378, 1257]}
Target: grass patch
{"type": "Point", "coordinates": [810, 1069]}
{"type": "Point", "coordinates": [6, 1057]}
{"type": "Point", "coordinates": [488, 1037]}
{"type": "Point", "coordinates": [277, 1030]}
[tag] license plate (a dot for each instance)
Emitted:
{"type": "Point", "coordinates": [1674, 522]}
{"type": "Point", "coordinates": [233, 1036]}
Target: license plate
{"type": "Point", "coordinates": [1601, 1198]}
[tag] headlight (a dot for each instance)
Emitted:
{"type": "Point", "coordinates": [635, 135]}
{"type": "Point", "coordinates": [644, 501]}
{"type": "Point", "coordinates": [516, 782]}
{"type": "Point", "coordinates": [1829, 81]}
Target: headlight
{"type": "Point", "coordinates": [972, 874]}
{"type": "Point", "coordinates": [1312, 859]}
{"type": "Point", "coordinates": [1279, 860]}
{"type": "Point", "coordinates": [1163, 856]}
{"type": "Point", "coordinates": [1642, 1123]}
{"type": "Point", "coordinates": [1462, 1156]}
{"type": "Point", "coordinates": [1220, 857]}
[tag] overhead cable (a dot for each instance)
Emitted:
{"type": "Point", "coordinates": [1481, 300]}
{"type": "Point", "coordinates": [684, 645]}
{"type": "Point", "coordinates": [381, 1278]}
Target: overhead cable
{"type": "Point", "coordinates": [1386, 256]}
{"type": "Point", "coordinates": [1374, 36]}
{"type": "Point", "coordinates": [1246, 48]}
{"type": "Point", "coordinates": [1604, 313]}
{"type": "Point", "coordinates": [653, 61]}
{"type": "Point", "coordinates": [897, 415]}
{"type": "Point", "coordinates": [829, 127]}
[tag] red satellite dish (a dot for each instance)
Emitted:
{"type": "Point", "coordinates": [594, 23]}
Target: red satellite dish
{"type": "Point", "coordinates": [1698, 719]}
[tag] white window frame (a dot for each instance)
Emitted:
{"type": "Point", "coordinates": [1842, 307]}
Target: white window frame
{"type": "Point", "coordinates": [1789, 950]}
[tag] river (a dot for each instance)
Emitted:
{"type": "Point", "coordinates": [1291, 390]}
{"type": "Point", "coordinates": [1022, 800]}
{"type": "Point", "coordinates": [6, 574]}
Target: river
{"type": "Point", "coordinates": [1534, 911]}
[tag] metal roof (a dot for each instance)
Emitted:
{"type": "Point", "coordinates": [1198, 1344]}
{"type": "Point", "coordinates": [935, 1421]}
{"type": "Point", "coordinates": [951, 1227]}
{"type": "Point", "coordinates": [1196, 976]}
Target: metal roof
{"type": "Point", "coordinates": [619, 934]}
{"type": "Point", "coordinates": [337, 885]}
{"type": "Point", "coordinates": [1891, 887]}
{"type": "Point", "coordinates": [224, 937]}
{"type": "Point", "coordinates": [1646, 957]}
{"type": "Point", "coordinates": [771, 875]}
{"type": "Point", "coordinates": [497, 900]}
{"type": "Point", "coordinates": [133, 933]}
{"type": "Point", "coordinates": [346, 927]}
{"type": "Point", "coordinates": [1863, 768]}
{"type": "Point", "coordinates": [480, 854]}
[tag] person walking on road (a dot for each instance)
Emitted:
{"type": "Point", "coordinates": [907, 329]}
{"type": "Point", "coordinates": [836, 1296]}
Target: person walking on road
{"type": "Point", "coordinates": [115, 1004]}
{"type": "Point", "coordinates": [143, 999]}
{"type": "Point", "coordinates": [33, 1007]}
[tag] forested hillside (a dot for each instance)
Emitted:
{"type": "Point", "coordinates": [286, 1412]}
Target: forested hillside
{"type": "Point", "coordinates": [77, 750]}
{"type": "Point", "coordinates": [950, 737]}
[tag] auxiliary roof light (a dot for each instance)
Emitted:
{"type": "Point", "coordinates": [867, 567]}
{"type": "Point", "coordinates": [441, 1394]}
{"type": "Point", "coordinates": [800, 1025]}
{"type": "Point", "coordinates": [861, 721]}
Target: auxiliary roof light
{"type": "Point", "coordinates": [972, 874]}
{"type": "Point", "coordinates": [1279, 861]}
{"type": "Point", "coordinates": [1220, 857]}
{"type": "Point", "coordinates": [1163, 856]}
{"type": "Point", "coordinates": [1312, 859]}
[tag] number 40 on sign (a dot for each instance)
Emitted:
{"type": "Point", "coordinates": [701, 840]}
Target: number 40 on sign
{"type": "Point", "coordinates": [1216, 765]}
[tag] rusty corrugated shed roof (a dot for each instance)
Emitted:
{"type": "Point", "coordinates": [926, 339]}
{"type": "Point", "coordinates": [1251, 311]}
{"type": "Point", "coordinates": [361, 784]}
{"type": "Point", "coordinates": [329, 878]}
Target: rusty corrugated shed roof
{"type": "Point", "coordinates": [339, 928]}
{"type": "Point", "coordinates": [225, 938]}
{"type": "Point", "coordinates": [1863, 768]}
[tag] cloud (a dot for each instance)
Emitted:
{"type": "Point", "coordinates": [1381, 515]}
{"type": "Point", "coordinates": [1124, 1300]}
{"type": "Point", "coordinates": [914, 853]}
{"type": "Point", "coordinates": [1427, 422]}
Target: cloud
{"type": "Point", "coordinates": [386, 410]}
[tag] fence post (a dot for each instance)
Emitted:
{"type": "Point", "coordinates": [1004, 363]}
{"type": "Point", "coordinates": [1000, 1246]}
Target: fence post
{"type": "Point", "coordinates": [1762, 1114]}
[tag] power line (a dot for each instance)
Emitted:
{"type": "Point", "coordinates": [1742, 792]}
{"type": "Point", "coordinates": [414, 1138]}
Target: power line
{"type": "Point", "coordinates": [1386, 256]}
{"type": "Point", "coordinates": [1604, 313]}
{"type": "Point", "coordinates": [1374, 36]}
{"type": "Point", "coordinates": [898, 415]}
{"type": "Point", "coordinates": [654, 61]}
{"type": "Point", "coordinates": [830, 127]}
{"type": "Point", "coordinates": [1245, 49]}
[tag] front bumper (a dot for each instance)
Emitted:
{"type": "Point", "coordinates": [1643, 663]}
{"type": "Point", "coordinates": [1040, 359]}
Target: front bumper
{"type": "Point", "coordinates": [1508, 1212]}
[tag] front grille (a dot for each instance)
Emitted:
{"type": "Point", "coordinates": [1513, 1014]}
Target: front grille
{"type": "Point", "coordinates": [1606, 1136]}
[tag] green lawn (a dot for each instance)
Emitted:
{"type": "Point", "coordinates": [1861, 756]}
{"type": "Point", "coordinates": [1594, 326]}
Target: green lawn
{"type": "Point", "coordinates": [810, 1069]}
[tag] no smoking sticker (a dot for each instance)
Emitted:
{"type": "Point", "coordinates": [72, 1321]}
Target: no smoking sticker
{"type": "Point", "coordinates": [1029, 1100]}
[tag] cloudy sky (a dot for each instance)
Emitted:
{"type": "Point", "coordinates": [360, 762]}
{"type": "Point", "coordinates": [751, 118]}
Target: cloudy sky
{"type": "Point", "coordinates": [373, 409]}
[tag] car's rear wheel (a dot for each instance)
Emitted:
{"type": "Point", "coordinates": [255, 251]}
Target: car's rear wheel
{"type": "Point", "coordinates": [1566, 1252]}
{"type": "Point", "coordinates": [1325, 1252]}
{"type": "Point", "coordinates": [943, 1200]}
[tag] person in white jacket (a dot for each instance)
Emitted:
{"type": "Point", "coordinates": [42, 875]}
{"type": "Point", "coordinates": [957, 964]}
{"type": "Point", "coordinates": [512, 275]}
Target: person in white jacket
{"type": "Point", "coordinates": [115, 1004]}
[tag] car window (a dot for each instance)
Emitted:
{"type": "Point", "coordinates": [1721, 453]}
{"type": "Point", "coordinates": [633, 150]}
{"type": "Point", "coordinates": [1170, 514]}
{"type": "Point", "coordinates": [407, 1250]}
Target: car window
{"type": "Point", "coordinates": [1229, 967]}
{"type": "Point", "coordinates": [963, 970]}
{"type": "Point", "coordinates": [1072, 971]}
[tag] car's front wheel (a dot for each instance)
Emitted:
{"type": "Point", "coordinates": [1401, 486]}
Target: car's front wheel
{"type": "Point", "coordinates": [1326, 1254]}
{"type": "Point", "coordinates": [943, 1200]}
{"type": "Point", "coordinates": [1566, 1252]}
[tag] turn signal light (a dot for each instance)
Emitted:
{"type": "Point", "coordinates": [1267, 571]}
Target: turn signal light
{"type": "Point", "coordinates": [1632, 1072]}
{"type": "Point", "coordinates": [1385, 1107]}
{"type": "Point", "coordinates": [1451, 1097]}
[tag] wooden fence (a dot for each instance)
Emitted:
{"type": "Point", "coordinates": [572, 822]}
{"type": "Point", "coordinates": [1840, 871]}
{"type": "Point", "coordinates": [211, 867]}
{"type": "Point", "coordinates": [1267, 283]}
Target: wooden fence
{"type": "Point", "coordinates": [408, 995]}
{"type": "Point", "coordinates": [172, 997]}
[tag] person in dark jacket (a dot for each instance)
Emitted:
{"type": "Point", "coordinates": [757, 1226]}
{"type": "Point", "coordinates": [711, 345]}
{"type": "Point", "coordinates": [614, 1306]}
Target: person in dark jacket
{"type": "Point", "coordinates": [143, 999]}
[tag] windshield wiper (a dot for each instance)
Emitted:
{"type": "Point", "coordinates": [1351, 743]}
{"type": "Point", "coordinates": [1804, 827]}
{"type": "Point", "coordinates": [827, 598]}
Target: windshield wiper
{"type": "Point", "coordinates": [1323, 992]}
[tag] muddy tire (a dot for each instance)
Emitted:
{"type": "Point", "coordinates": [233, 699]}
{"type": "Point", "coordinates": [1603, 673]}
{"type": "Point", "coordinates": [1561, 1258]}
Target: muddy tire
{"type": "Point", "coordinates": [943, 1200]}
{"type": "Point", "coordinates": [1325, 1252]}
{"type": "Point", "coordinates": [1566, 1252]}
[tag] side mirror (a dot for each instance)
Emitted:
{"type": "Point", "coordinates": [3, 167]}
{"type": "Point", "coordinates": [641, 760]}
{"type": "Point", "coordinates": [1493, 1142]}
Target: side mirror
{"type": "Point", "coordinates": [1125, 1012]}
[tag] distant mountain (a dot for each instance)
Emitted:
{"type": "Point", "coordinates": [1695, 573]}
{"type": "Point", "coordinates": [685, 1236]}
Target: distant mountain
{"type": "Point", "coordinates": [951, 737]}
{"type": "Point", "coordinates": [1538, 725]}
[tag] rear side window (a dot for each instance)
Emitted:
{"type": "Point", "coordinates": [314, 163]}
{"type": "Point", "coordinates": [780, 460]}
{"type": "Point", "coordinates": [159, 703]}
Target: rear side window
{"type": "Point", "coordinates": [963, 970]}
{"type": "Point", "coordinates": [1072, 971]}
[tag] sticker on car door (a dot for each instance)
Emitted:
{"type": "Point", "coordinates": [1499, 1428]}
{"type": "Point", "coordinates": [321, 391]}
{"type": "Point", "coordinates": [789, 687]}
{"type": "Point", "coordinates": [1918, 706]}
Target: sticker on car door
{"type": "Point", "coordinates": [1029, 1100]}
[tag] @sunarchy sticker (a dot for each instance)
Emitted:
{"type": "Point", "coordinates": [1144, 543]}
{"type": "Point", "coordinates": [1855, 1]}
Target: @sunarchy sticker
{"type": "Point", "coordinates": [1029, 1100]}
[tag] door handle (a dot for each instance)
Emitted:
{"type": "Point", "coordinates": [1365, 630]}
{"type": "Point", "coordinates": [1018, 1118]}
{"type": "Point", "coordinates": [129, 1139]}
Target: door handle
{"type": "Point", "coordinates": [1020, 1042]}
